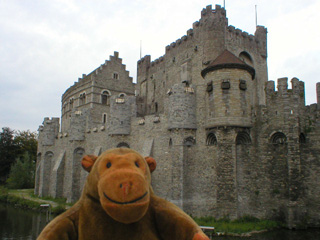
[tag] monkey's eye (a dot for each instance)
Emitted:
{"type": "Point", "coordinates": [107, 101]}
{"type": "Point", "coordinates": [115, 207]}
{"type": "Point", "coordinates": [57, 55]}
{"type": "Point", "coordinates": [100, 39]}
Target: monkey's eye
{"type": "Point", "coordinates": [137, 164]}
{"type": "Point", "coordinates": [109, 164]}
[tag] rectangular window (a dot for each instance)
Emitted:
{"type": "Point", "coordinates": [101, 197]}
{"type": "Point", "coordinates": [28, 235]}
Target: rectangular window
{"type": "Point", "coordinates": [225, 84]}
{"type": "Point", "coordinates": [104, 118]}
{"type": "Point", "coordinates": [115, 76]}
{"type": "Point", "coordinates": [243, 84]}
{"type": "Point", "coordinates": [210, 87]}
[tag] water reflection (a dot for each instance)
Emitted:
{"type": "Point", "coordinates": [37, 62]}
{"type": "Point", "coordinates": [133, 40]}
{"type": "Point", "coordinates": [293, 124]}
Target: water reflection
{"type": "Point", "coordinates": [16, 224]}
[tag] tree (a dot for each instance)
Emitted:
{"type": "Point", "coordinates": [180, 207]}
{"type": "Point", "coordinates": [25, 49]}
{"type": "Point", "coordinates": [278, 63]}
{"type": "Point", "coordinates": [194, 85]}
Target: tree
{"type": "Point", "coordinates": [8, 152]}
{"type": "Point", "coordinates": [13, 146]}
{"type": "Point", "coordinates": [26, 141]}
{"type": "Point", "coordinates": [22, 173]}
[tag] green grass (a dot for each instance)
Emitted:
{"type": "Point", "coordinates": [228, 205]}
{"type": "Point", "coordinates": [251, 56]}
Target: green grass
{"type": "Point", "coordinates": [25, 198]}
{"type": "Point", "coordinates": [23, 203]}
{"type": "Point", "coordinates": [60, 201]}
{"type": "Point", "coordinates": [242, 225]}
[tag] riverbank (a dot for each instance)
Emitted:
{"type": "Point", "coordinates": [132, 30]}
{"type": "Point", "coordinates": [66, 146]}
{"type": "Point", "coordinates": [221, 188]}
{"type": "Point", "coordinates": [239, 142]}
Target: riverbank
{"type": "Point", "coordinates": [24, 198]}
{"type": "Point", "coordinates": [245, 226]}
{"type": "Point", "coordinates": [242, 227]}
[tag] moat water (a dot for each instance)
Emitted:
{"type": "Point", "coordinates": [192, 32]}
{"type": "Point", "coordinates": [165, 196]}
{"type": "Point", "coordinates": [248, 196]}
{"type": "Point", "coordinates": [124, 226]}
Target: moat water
{"type": "Point", "coordinates": [19, 224]}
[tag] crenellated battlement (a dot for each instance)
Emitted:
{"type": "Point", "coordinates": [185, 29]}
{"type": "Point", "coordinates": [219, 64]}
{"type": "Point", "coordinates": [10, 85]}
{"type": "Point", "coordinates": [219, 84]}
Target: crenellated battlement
{"type": "Point", "coordinates": [48, 131]}
{"type": "Point", "coordinates": [180, 41]}
{"type": "Point", "coordinates": [284, 100]}
{"type": "Point", "coordinates": [239, 33]}
{"type": "Point", "coordinates": [209, 18]}
{"type": "Point", "coordinates": [216, 14]}
{"type": "Point", "coordinates": [157, 61]}
{"type": "Point", "coordinates": [297, 87]}
{"type": "Point", "coordinates": [209, 12]}
{"type": "Point", "coordinates": [256, 41]}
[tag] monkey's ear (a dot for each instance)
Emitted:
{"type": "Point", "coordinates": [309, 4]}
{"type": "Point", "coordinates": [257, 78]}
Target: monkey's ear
{"type": "Point", "coordinates": [88, 161]}
{"type": "Point", "coordinates": [151, 163]}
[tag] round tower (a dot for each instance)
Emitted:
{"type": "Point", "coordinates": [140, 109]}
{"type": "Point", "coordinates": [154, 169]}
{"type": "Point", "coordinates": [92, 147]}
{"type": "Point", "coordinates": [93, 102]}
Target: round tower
{"type": "Point", "coordinates": [120, 115]}
{"type": "Point", "coordinates": [230, 91]}
{"type": "Point", "coordinates": [182, 107]}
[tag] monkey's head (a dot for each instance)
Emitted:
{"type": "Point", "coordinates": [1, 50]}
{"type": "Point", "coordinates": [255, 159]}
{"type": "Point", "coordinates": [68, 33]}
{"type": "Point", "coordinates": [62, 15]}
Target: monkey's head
{"type": "Point", "coordinates": [120, 178]}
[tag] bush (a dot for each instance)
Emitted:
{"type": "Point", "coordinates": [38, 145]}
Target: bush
{"type": "Point", "coordinates": [22, 173]}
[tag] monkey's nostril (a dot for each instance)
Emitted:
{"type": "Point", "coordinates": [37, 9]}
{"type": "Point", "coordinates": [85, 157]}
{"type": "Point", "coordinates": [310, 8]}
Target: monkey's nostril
{"type": "Point", "coordinates": [121, 185]}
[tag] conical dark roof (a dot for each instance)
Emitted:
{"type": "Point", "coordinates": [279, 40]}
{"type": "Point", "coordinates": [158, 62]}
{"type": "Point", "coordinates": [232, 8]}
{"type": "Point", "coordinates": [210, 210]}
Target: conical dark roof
{"type": "Point", "coordinates": [227, 60]}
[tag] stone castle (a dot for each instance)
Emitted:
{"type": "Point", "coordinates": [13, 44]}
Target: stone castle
{"type": "Point", "coordinates": [226, 141]}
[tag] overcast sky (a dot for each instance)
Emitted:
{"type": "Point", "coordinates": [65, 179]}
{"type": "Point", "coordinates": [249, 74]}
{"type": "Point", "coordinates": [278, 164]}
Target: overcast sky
{"type": "Point", "coordinates": [46, 45]}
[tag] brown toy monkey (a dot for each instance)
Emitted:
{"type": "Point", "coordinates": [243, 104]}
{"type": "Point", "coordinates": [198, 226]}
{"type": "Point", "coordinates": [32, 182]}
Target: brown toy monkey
{"type": "Point", "coordinates": [118, 203]}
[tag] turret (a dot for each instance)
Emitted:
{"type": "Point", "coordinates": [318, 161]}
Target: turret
{"type": "Point", "coordinates": [78, 124]}
{"type": "Point", "coordinates": [261, 38]}
{"type": "Point", "coordinates": [49, 131]}
{"type": "Point", "coordinates": [213, 24]}
{"type": "Point", "coordinates": [230, 91]}
{"type": "Point", "coordinates": [121, 110]}
{"type": "Point", "coordinates": [182, 107]}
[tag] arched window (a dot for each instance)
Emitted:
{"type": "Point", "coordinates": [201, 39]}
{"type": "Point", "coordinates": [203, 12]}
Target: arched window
{"type": "Point", "coordinates": [121, 98]}
{"type": "Point", "coordinates": [123, 145]}
{"type": "Point", "coordinates": [278, 138]}
{"type": "Point", "coordinates": [302, 138]}
{"type": "Point", "coordinates": [71, 103]}
{"type": "Point", "coordinates": [82, 98]}
{"type": "Point", "coordinates": [211, 139]}
{"type": "Point", "coordinates": [189, 141]}
{"type": "Point", "coordinates": [243, 138]}
{"type": "Point", "coordinates": [122, 95]}
{"type": "Point", "coordinates": [244, 56]}
{"type": "Point", "coordinates": [105, 97]}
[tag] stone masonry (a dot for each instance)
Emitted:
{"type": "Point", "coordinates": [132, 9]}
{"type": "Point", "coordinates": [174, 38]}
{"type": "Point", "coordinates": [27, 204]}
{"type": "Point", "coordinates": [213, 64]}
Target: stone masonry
{"type": "Point", "coordinates": [227, 142]}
